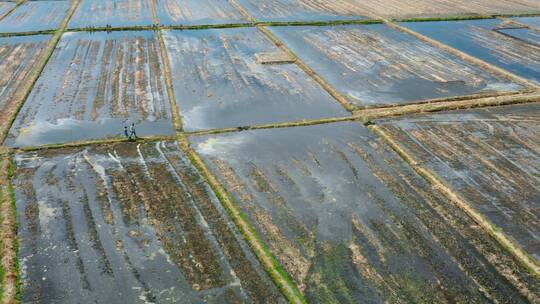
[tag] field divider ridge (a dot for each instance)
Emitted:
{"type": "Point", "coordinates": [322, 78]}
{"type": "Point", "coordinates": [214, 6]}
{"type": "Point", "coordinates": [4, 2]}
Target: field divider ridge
{"type": "Point", "coordinates": [433, 179]}
{"type": "Point", "coordinates": [9, 265]}
{"type": "Point", "coordinates": [17, 4]}
{"type": "Point", "coordinates": [23, 92]}
{"type": "Point", "coordinates": [529, 26]}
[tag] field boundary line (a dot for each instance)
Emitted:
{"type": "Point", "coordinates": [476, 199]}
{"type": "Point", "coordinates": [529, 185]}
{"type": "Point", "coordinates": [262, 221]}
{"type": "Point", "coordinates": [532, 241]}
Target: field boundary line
{"type": "Point", "coordinates": [17, 4]}
{"type": "Point", "coordinates": [265, 257]}
{"type": "Point", "coordinates": [433, 179]}
{"type": "Point", "coordinates": [23, 92]}
{"type": "Point", "coordinates": [367, 115]}
{"type": "Point", "coordinates": [464, 56]}
{"type": "Point", "coordinates": [9, 281]}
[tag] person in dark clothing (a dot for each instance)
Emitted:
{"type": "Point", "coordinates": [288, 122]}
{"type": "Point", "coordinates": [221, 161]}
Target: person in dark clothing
{"type": "Point", "coordinates": [132, 133]}
{"type": "Point", "coordinates": [126, 132]}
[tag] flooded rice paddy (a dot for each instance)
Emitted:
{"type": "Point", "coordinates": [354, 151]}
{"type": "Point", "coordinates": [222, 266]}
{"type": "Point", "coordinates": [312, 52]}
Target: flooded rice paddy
{"type": "Point", "coordinates": [114, 13]}
{"type": "Point", "coordinates": [219, 83]}
{"type": "Point", "coordinates": [35, 16]}
{"type": "Point", "coordinates": [491, 157]}
{"type": "Point", "coordinates": [375, 65]}
{"type": "Point", "coordinates": [17, 57]}
{"type": "Point", "coordinates": [530, 21]}
{"type": "Point", "coordinates": [128, 223]}
{"type": "Point", "coordinates": [197, 12]}
{"type": "Point", "coordinates": [93, 85]}
{"type": "Point", "coordinates": [350, 221]}
{"type": "Point", "coordinates": [445, 8]}
{"type": "Point", "coordinates": [485, 39]}
{"type": "Point", "coordinates": [302, 10]}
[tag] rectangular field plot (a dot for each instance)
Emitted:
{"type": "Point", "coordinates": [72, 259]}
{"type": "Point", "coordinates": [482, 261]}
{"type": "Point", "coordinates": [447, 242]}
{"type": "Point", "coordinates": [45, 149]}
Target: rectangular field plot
{"type": "Point", "coordinates": [491, 157]}
{"type": "Point", "coordinates": [197, 12]}
{"type": "Point", "coordinates": [17, 58]}
{"type": "Point", "coordinates": [375, 65]}
{"type": "Point", "coordinates": [485, 39]}
{"type": "Point", "coordinates": [128, 223]}
{"type": "Point", "coordinates": [5, 7]}
{"type": "Point", "coordinates": [35, 16]}
{"type": "Point", "coordinates": [351, 222]}
{"type": "Point", "coordinates": [93, 85]}
{"type": "Point", "coordinates": [115, 13]}
{"type": "Point", "coordinates": [302, 10]}
{"type": "Point", "coordinates": [219, 83]}
{"type": "Point", "coordinates": [446, 8]}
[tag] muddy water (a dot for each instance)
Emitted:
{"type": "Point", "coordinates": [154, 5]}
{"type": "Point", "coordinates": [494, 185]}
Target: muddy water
{"type": "Point", "coordinates": [376, 65]}
{"type": "Point", "coordinates": [196, 12]}
{"type": "Point", "coordinates": [17, 57]}
{"type": "Point", "coordinates": [35, 16]}
{"type": "Point", "coordinates": [93, 85]}
{"type": "Point", "coordinates": [351, 222]}
{"type": "Point", "coordinates": [302, 10]}
{"type": "Point", "coordinates": [128, 223]}
{"type": "Point", "coordinates": [118, 13]}
{"type": "Point", "coordinates": [479, 38]}
{"type": "Point", "coordinates": [218, 82]}
{"type": "Point", "coordinates": [491, 157]}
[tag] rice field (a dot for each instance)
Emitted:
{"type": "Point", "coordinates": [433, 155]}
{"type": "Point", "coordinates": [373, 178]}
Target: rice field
{"type": "Point", "coordinates": [128, 223]}
{"type": "Point", "coordinates": [273, 151]}
{"type": "Point", "coordinates": [35, 16]}
{"type": "Point", "coordinates": [349, 221]}
{"type": "Point", "coordinates": [487, 40]}
{"type": "Point", "coordinates": [489, 156]}
{"type": "Point", "coordinates": [218, 82]}
{"type": "Point", "coordinates": [93, 86]}
{"type": "Point", "coordinates": [112, 13]}
{"type": "Point", "coordinates": [197, 12]}
{"type": "Point", "coordinates": [374, 65]}
{"type": "Point", "coordinates": [302, 10]}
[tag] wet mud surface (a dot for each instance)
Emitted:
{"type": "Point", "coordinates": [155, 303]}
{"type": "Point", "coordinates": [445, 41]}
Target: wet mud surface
{"type": "Point", "coordinates": [35, 16]}
{"type": "Point", "coordinates": [441, 8]}
{"type": "Point", "coordinates": [491, 157]}
{"type": "Point", "coordinates": [116, 13]}
{"type": "Point", "coordinates": [494, 41]}
{"type": "Point", "coordinates": [218, 82]}
{"type": "Point", "coordinates": [351, 222]}
{"type": "Point", "coordinates": [197, 12]}
{"type": "Point", "coordinates": [302, 10]}
{"type": "Point", "coordinates": [93, 85]}
{"type": "Point", "coordinates": [375, 65]}
{"type": "Point", "coordinates": [17, 58]}
{"type": "Point", "coordinates": [128, 223]}
{"type": "Point", "coordinates": [530, 21]}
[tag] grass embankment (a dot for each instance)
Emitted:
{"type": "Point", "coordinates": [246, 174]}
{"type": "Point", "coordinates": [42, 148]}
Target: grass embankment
{"type": "Point", "coordinates": [514, 250]}
{"type": "Point", "coordinates": [9, 266]}
{"type": "Point", "coordinates": [17, 4]}
{"type": "Point", "coordinates": [282, 280]}
{"type": "Point", "coordinates": [24, 90]}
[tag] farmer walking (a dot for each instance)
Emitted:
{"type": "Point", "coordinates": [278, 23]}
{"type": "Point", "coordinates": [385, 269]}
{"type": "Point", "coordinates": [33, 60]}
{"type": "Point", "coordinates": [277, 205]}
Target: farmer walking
{"type": "Point", "coordinates": [132, 133]}
{"type": "Point", "coordinates": [126, 132]}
